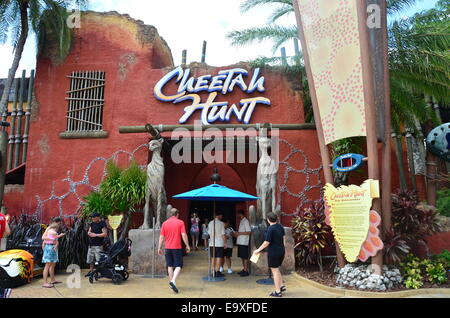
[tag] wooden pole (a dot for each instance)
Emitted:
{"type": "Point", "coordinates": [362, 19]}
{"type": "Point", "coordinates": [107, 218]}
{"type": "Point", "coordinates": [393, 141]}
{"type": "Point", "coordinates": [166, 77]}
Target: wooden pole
{"type": "Point", "coordinates": [13, 125]}
{"type": "Point", "coordinates": [165, 128]}
{"type": "Point", "coordinates": [283, 57]}
{"type": "Point", "coordinates": [386, 176]}
{"type": "Point", "coordinates": [27, 117]}
{"type": "Point", "coordinates": [204, 52]}
{"type": "Point", "coordinates": [400, 165]}
{"type": "Point", "coordinates": [324, 153]}
{"type": "Point", "coordinates": [409, 150]}
{"type": "Point", "coordinates": [18, 140]}
{"type": "Point", "coordinates": [183, 58]}
{"type": "Point", "coordinates": [370, 110]}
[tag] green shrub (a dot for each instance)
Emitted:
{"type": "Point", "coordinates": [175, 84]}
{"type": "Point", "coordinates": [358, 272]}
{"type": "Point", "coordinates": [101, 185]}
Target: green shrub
{"type": "Point", "coordinates": [443, 202]}
{"type": "Point", "coordinates": [416, 271]}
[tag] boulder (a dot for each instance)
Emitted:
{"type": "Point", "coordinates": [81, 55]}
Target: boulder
{"type": "Point", "coordinates": [143, 253]}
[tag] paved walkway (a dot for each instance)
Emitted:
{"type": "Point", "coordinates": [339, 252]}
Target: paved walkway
{"type": "Point", "coordinates": [190, 284]}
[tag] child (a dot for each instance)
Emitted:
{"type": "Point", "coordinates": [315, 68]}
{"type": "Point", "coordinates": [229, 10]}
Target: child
{"type": "Point", "coordinates": [228, 252]}
{"type": "Point", "coordinates": [205, 235]}
{"type": "Point", "coordinates": [195, 231]}
{"type": "Point", "coordinates": [50, 247]}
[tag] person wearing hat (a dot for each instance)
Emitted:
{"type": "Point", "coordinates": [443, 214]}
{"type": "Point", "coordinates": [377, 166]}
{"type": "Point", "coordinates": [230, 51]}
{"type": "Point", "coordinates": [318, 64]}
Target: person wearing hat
{"type": "Point", "coordinates": [97, 233]}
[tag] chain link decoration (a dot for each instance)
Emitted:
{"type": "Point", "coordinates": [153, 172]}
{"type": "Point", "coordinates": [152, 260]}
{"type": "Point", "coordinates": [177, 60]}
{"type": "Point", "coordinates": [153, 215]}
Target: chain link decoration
{"type": "Point", "coordinates": [73, 185]}
{"type": "Point", "coordinates": [302, 195]}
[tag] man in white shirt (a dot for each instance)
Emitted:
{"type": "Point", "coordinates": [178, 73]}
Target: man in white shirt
{"type": "Point", "coordinates": [243, 239]}
{"type": "Point", "coordinates": [217, 243]}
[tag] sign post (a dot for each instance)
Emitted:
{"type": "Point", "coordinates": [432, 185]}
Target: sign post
{"type": "Point", "coordinates": [115, 221]}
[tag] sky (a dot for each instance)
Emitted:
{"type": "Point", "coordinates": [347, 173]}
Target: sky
{"type": "Point", "coordinates": [185, 25]}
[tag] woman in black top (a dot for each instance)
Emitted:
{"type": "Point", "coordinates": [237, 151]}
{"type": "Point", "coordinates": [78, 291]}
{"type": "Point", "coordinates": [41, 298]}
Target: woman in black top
{"type": "Point", "coordinates": [273, 239]}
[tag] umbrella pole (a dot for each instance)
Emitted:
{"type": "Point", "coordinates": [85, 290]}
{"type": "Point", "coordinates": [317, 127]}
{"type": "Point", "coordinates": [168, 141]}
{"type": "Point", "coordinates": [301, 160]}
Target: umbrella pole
{"type": "Point", "coordinates": [214, 239]}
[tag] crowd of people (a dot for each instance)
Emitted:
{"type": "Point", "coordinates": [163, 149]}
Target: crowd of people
{"type": "Point", "coordinates": [217, 234]}
{"type": "Point", "coordinates": [218, 238]}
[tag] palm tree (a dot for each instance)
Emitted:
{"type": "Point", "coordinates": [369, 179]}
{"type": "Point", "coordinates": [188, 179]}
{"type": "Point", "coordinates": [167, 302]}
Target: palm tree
{"type": "Point", "coordinates": [419, 59]}
{"type": "Point", "coordinates": [46, 18]}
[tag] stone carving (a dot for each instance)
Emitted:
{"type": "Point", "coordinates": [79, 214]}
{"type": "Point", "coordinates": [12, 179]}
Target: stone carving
{"type": "Point", "coordinates": [155, 201]}
{"type": "Point", "coordinates": [266, 179]}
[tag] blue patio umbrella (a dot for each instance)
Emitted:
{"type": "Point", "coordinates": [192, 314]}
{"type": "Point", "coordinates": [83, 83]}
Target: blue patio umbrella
{"type": "Point", "coordinates": [215, 192]}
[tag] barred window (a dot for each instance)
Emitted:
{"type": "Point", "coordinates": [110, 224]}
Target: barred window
{"type": "Point", "coordinates": [86, 100]}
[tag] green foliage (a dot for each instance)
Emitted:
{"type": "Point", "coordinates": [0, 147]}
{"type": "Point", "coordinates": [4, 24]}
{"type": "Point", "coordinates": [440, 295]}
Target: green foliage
{"type": "Point", "coordinates": [443, 202]}
{"type": "Point", "coordinates": [96, 202]}
{"type": "Point", "coordinates": [120, 190]}
{"type": "Point", "coordinates": [444, 258]}
{"type": "Point", "coordinates": [412, 224]}
{"type": "Point", "coordinates": [416, 271]}
{"type": "Point", "coordinates": [436, 272]}
{"type": "Point", "coordinates": [311, 234]}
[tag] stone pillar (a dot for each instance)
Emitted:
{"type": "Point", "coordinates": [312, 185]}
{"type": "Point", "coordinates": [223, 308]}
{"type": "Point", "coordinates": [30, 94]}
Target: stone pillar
{"type": "Point", "coordinates": [143, 252]}
{"type": "Point", "coordinates": [261, 268]}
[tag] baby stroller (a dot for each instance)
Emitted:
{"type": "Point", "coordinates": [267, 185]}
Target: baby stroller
{"type": "Point", "coordinates": [110, 265]}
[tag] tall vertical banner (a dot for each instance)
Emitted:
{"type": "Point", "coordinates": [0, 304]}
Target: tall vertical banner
{"type": "Point", "coordinates": [338, 60]}
{"type": "Point", "coordinates": [330, 35]}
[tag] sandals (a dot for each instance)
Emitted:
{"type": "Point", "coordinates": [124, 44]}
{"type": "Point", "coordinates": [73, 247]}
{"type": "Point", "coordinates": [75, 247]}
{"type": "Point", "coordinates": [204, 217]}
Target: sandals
{"type": "Point", "coordinates": [275, 294]}
{"type": "Point", "coordinates": [56, 282]}
{"type": "Point", "coordinates": [48, 286]}
{"type": "Point", "coordinates": [283, 289]}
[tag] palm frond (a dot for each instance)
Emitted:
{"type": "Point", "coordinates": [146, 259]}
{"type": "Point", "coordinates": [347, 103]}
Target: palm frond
{"type": "Point", "coordinates": [279, 34]}
{"type": "Point", "coordinates": [280, 12]}
{"type": "Point", "coordinates": [250, 4]}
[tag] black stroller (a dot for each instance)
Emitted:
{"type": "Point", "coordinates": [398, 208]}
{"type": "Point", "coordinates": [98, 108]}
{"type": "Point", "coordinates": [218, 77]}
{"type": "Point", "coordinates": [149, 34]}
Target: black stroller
{"type": "Point", "coordinates": [111, 265]}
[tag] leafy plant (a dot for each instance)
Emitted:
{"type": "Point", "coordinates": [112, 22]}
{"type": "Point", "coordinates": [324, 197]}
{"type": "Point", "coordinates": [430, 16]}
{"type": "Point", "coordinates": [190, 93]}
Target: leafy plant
{"type": "Point", "coordinates": [409, 222]}
{"type": "Point", "coordinates": [96, 202]}
{"type": "Point", "coordinates": [415, 271]}
{"type": "Point", "coordinates": [412, 272]}
{"type": "Point", "coordinates": [311, 234]}
{"type": "Point", "coordinates": [436, 272]}
{"type": "Point", "coordinates": [444, 258]}
{"type": "Point", "coordinates": [443, 202]}
{"type": "Point", "coordinates": [122, 190]}
{"type": "Point", "coordinates": [395, 247]}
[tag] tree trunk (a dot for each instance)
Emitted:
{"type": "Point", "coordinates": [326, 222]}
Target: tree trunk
{"type": "Point", "coordinates": [17, 56]}
{"type": "Point", "coordinates": [126, 225]}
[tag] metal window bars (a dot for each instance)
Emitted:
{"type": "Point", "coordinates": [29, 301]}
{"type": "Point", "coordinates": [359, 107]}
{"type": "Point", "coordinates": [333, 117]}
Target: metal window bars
{"type": "Point", "coordinates": [86, 100]}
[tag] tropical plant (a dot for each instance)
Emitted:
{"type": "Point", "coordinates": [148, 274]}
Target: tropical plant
{"type": "Point", "coordinates": [395, 247]}
{"type": "Point", "coordinates": [411, 223]}
{"type": "Point", "coordinates": [311, 234]}
{"type": "Point", "coordinates": [412, 272]}
{"type": "Point", "coordinates": [46, 18]}
{"type": "Point", "coordinates": [444, 258]}
{"type": "Point", "coordinates": [443, 202]}
{"type": "Point", "coordinates": [96, 202]}
{"type": "Point", "coordinates": [120, 191]}
{"type": "Point", "coordinates": [416, 271]}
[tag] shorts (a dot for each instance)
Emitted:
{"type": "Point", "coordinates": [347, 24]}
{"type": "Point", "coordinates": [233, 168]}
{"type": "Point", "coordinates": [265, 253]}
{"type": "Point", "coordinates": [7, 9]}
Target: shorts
{"type": "Point", "coordinates": [243, 251]}
{"type": "Point", "coordinates": [196, 234]}
{"type": "Point", "coordinates": [275, 261]}
{"type": "Point", "coordinates": [218, 252]}
{"type": "Point", "coordinates": [93, 254]}
{"type": "Point", "coordinates": [228, 252]}
{"type": "Point", "coordinates": [205, 236]}
{"type": "Point", "coordinates": [174, 257]}
{"type": "Point", "coordinates": [50, 255]}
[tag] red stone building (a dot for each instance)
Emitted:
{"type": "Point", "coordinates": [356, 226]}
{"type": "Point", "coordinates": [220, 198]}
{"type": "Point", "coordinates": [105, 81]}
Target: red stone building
{"type": "Point", "coordinates": [66, 157]}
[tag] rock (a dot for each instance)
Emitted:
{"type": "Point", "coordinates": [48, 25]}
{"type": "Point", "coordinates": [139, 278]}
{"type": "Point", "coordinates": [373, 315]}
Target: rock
{"type": "Point", "coordinates": [142, 254]}
{"type": "Point", "coordinates": [362, 287]}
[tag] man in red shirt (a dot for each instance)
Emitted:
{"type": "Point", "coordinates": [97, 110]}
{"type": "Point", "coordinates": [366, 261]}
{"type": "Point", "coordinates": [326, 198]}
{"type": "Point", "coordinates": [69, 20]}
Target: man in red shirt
{"type": "Point", "coordinates": [171, 233]}
{"type": "Point", "coordinates": [4, 232]}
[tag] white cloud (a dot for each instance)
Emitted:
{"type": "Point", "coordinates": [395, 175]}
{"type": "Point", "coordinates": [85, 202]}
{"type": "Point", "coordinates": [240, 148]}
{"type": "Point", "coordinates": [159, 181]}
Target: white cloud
{"type": "Point", "coordinates": [184, 25]}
